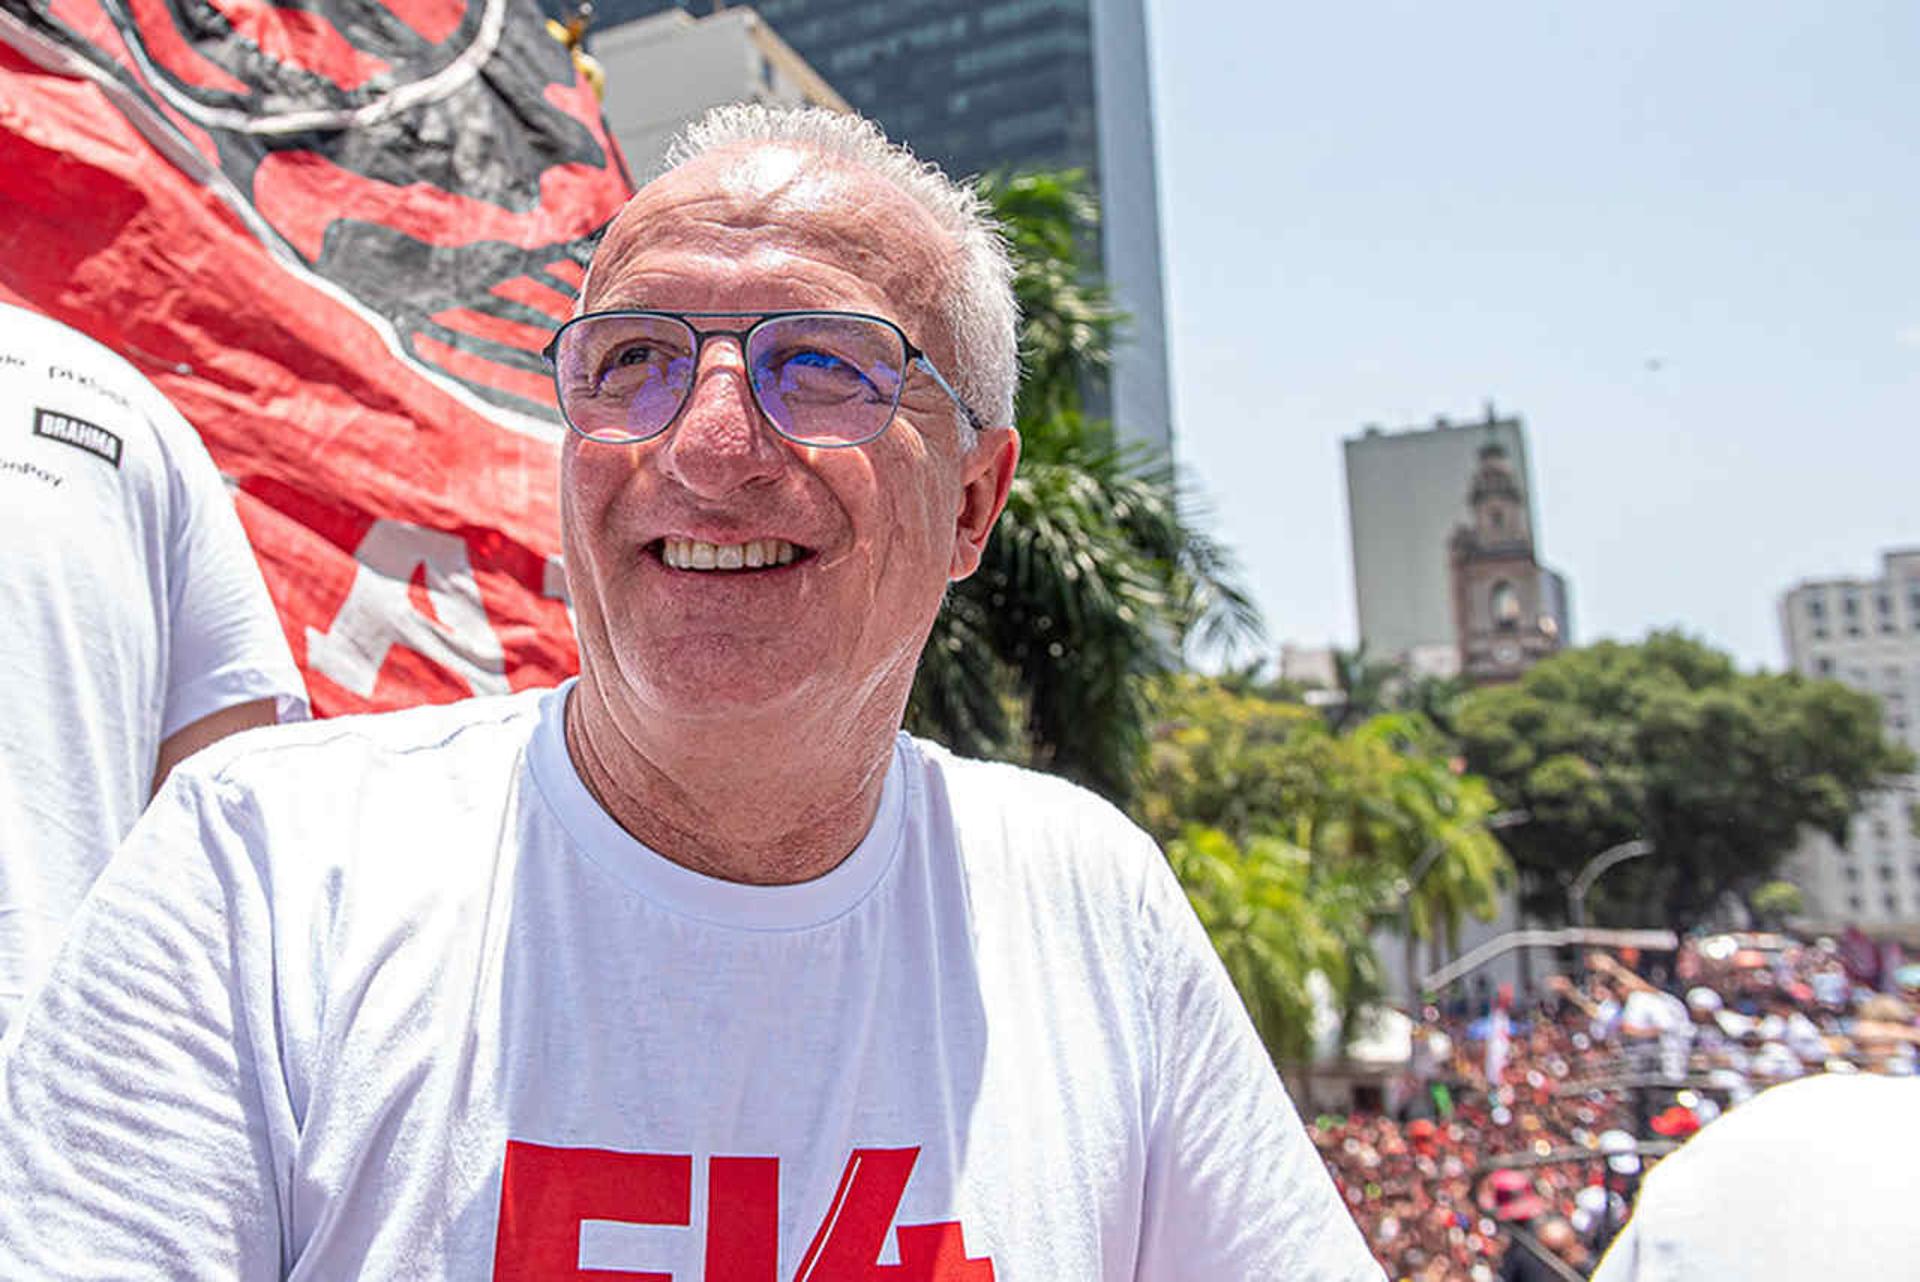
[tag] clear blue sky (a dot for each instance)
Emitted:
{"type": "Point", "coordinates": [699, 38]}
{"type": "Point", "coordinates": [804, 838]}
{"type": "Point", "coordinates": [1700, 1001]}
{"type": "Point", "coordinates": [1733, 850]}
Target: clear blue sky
{"type": "Point", "coordinates": [1382, 212]}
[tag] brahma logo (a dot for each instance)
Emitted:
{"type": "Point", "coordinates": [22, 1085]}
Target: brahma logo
{"type": "Point", "coordinates": [548, 1195]}
{"type": "Point", "coordinates": [77, 432]}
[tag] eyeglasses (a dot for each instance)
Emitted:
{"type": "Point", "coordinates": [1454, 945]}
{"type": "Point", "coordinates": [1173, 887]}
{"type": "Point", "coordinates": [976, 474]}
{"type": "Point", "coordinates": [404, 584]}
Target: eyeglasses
{"type": "Point", "coordinates": [823, 379]}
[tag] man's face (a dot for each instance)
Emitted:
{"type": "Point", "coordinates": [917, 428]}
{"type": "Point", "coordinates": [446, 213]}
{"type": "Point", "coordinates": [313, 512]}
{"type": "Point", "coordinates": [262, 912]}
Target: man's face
{"type": "Point", "coordinates": [877, 530]}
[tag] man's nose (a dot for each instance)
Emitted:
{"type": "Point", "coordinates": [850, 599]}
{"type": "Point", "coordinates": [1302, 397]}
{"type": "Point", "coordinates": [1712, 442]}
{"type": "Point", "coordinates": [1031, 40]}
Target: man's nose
{"type": "Point", "coordinates": [720, 442]}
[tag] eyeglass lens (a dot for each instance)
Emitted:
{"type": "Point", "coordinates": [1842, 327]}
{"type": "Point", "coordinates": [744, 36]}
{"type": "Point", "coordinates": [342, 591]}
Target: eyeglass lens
{"type": "Point", "coordinates": [819, 378]}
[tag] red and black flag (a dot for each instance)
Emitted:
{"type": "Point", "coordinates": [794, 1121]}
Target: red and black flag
{"type": "Point", "coordinates": [336, 233]}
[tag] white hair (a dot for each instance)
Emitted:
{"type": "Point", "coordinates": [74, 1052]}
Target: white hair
{"type": "Point", "coordinates": [980, 314]}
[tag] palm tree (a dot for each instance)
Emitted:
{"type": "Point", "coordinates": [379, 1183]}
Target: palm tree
{"type": "Point", "coordinates": [1367, 687]}
{"type": "Point", "coordinates": [1098, 574]}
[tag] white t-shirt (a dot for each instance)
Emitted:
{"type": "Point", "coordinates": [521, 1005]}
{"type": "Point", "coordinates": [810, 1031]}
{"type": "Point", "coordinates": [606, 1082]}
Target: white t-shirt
{"type": "Point", "coordinates": [1815, 1179]}
{"type": "Point", "coordinates": [130, 607]}
{"type": "Point", "coordinates": [412, 1005]}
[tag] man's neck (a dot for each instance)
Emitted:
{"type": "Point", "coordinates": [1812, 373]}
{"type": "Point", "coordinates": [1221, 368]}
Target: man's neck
{"type": "Point", "coordinates": [788, 811]}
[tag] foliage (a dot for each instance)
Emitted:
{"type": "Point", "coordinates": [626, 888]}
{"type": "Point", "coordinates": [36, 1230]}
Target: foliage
{"type": "Point", "coordinates": [1098, 572]}
{"type": "Point", "coordinates": [1366, 687]}
{"type": "Point", "coordinates": [1666, 740]}
{"type": "Point", "coordinates": [1274, 923]}
{"type": "Point", "coordinates": [1775, 902]}
{"type": "Point", "coordinates": [1330, 827]}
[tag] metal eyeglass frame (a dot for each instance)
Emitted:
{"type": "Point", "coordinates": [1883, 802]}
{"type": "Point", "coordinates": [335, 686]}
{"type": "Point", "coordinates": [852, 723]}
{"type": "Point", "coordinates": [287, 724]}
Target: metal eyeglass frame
{"type": "Point", "coordinates": [913, 354]}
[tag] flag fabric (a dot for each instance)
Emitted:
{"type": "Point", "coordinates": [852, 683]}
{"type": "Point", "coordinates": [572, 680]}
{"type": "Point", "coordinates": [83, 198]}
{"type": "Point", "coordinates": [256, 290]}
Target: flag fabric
{"type": "Point", "coordinates": [336, 233]}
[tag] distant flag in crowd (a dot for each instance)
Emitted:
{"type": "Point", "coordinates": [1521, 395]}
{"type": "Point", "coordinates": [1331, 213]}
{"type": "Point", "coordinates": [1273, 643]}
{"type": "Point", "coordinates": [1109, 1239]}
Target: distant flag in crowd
{"type": "Point", "coordinates": [337, 235]}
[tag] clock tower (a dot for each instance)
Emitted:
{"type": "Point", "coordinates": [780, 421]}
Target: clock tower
{"type": "Point", "coordinates": [1509, 611]}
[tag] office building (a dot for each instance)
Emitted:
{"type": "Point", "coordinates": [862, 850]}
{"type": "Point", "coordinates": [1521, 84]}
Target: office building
{"type": "Point", "coordinates": [1866, 633]}
{"type": "Point", "coordinates": [980, 85]}
{"type": "Point", "coordinates": [1412, 496]}
{"type": "Point", "coordinates": [666, 70]}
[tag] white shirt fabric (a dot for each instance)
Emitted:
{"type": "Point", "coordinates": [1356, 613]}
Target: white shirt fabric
{"type": "Point", "coordinates": [1815, 1179]}
{"type": "Point", "coordinates": [1654, 1014]}
{"type": "Point", "coordinates": [130, 607]}
{"type": "Point", "coordinates": [412, 1005]}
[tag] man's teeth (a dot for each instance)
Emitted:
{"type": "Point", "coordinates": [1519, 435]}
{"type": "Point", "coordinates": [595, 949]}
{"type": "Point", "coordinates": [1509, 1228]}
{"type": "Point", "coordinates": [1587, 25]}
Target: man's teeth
{"type": "Point", "coordinates": [692, 554]}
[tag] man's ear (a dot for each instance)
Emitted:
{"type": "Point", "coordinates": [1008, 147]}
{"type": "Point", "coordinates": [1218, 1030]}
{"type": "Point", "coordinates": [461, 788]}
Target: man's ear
{"type": "Point", "coordinates": [986, 473]}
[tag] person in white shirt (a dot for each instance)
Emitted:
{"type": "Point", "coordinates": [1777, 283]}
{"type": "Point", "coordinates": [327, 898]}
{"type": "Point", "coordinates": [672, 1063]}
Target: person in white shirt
{"type": "Point", "coordinates": [697, 966]}
{"type": "Point", "coordinates": [1813, 1179]}
{"type": "Point", "coordinates": [134, 625]}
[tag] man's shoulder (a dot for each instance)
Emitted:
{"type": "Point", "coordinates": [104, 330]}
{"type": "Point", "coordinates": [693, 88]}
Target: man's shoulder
{"type": "Point", "coordinates": [51, 355]}
{"type": "Point", "coordinates": [1021, 824]}
{"type": "Point", "coordinates": [985, 788]}
{"type": "Point", "coordinates": [433, 737]}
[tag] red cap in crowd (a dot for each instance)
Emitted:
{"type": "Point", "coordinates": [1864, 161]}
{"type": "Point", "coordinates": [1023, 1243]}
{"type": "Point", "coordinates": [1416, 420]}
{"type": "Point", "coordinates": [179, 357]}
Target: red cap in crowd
{"type": "Point", "coordinates": [1513, 1196]}
{"type": "Point", "coordinates": [1676, 1123]}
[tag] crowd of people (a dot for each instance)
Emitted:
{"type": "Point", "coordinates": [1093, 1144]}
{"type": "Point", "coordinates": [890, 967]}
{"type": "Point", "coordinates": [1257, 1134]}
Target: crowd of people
{"type": "Point", "coordinates": [1514, 1144]}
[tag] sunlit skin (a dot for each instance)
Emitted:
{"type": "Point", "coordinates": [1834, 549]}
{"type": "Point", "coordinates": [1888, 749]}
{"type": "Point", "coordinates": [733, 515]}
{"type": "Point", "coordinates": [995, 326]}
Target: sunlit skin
{"type": "Point", "coordinates": [741, 723]}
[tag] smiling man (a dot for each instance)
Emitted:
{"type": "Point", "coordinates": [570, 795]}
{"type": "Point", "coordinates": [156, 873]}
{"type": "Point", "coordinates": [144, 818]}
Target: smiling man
{"type": "Point", "coordinates": [696, 967]}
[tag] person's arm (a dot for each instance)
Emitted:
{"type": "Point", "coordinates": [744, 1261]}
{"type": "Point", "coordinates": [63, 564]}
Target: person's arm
{"type": "Point", "coordinates": [210, 729]}
{"type": "Point", "coordinates": [1235, 1191]}
{"type": "Point", "coordinates": [228, 665]}
{"type": "Point", "coordinates": [1619, 973]}
{"type": "Point", "coordinates": [1562, 985]}
{"type": "Point", "coordinates": [144, 1114]}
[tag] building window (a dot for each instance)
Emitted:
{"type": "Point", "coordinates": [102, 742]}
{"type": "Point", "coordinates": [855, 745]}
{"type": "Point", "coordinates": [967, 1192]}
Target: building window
{"type": "Point", "coordinates": [1505, 604]}
{"type": "Point", "coordinates": [1893, 905]}
{"type": "Point", "coordinates": [1823, 664]}
{"type": "Point", "coordinates": [1853, 902]}
{"type": "Point", "coordinates": [1816, 608]}
{"type": "Point", "coordinates": [1886, 872]}
{"type": "Point", "coordinates": [1853, 874]}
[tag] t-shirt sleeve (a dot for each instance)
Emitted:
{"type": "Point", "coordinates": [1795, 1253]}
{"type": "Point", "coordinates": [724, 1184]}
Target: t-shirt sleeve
{"type": "Point", "coordinates": [1234, 1189]}
{"type": "Point", "coordinates": [142, 1112]}
{"type": "Point", "coordinates": [1621, 1263]}
{"type": "Point", "coordinates": [225, 644]}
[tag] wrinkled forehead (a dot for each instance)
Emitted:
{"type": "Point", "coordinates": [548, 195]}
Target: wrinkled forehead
{"type": "Point", "coordinates": [775, 225]}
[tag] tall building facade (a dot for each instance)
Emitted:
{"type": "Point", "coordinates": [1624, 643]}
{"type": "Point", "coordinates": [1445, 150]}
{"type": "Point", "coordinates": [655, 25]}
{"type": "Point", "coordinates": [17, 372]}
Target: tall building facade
{"type": "Point", "coordinates": [665, 70]}
{"type": "Point", "coordinates": [979, 85]}
{"type": "Point", "coordinates": [1408, 492]}
{"type": "Point", "coordinates": [1865, 633]}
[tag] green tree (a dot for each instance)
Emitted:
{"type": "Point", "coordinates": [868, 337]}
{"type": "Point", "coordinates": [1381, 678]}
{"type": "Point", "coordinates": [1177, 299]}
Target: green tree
{"type": "Point", "coordinates": [1666, 740]}
{"type": "Point", "coordinates": [1365, 687]}
{"type": "Point", "coordinates": [1275, 920]}
{"type": "Point", "coordinates": [1775, 902]}
{"type": "Point", "coordinates": [1099, 571]}
{"type": "Point", "coordinates": [1361, 813]}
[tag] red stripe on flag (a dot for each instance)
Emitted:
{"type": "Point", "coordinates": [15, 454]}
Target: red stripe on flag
{"type": "Point", "coordinates": [431, 20]}
{"type": "Point", "coordinates": [478, 369]}
{"type": "Point", "coordinates": [528, 338]}
{"type": "Point", "coordinates": [302, 194]}
{"type": "Point", "coordinates": [568, 270]}
{"type": "Point", "coordinates": [301, 39]}
{"type": "Point", "coordinates": [531, 293]}
{"type": "Point", "coordinates": [171, 50]}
